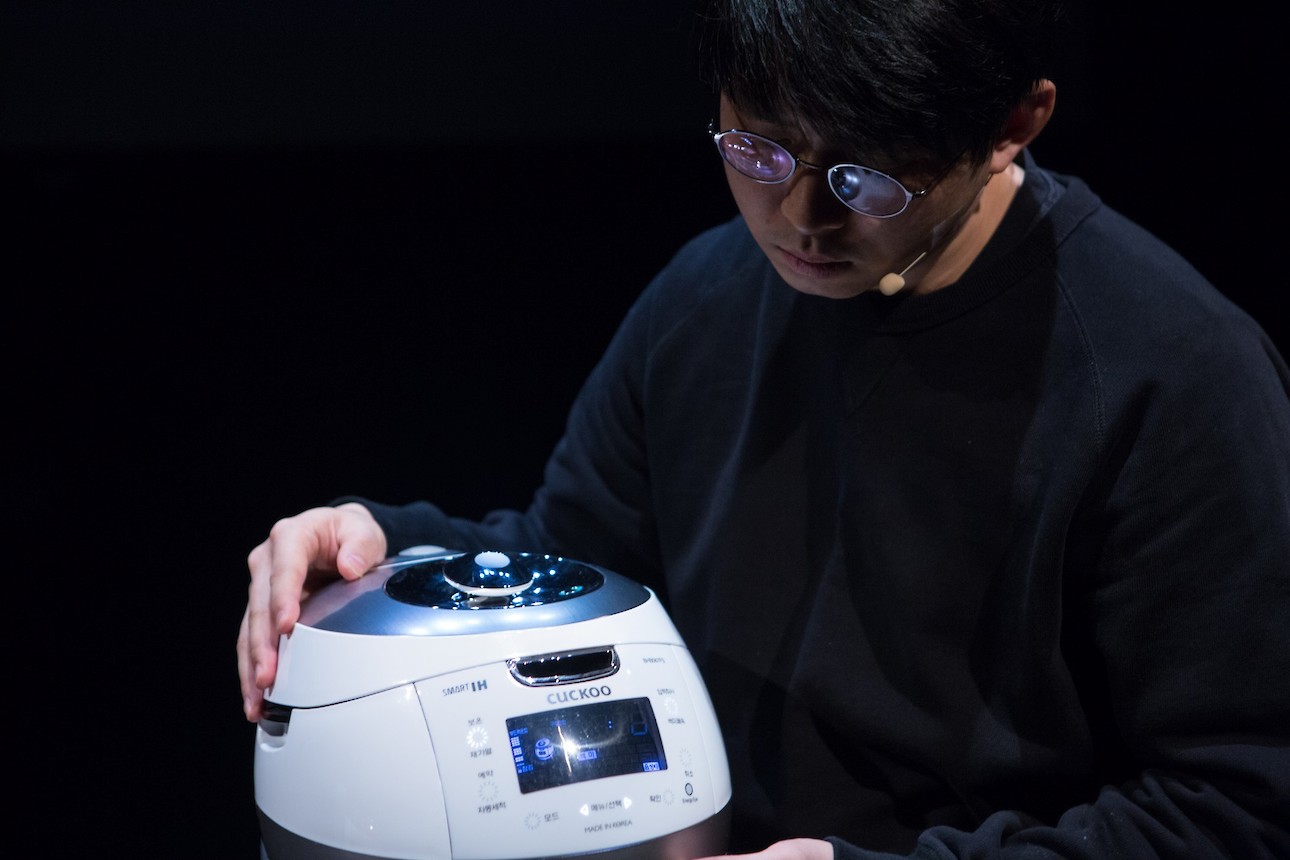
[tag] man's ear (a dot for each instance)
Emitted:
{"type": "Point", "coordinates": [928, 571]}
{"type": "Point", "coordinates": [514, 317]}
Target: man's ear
{"type": "Point", "coordinates": [1023, 125]}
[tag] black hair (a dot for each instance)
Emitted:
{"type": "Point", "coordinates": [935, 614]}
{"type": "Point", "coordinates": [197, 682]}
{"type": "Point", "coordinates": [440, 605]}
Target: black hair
{"type": "Point", "coordinates": [905, 79]}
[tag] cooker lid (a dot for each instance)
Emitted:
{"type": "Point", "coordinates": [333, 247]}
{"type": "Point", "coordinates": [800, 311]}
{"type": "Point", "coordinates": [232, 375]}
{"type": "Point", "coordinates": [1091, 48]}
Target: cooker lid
{"type": "Point", "coordinates": [456, 592]}
{"type": "Point", "coordinates": [493, 580]}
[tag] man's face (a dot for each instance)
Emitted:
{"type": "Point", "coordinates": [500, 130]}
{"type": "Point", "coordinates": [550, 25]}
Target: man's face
{"type": "Point", "coordinates": [817, 244]}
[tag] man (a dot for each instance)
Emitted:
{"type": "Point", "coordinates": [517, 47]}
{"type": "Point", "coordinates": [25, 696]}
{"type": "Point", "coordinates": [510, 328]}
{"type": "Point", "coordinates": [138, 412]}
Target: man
{"type": "Point", "coordinates": [970, 497]}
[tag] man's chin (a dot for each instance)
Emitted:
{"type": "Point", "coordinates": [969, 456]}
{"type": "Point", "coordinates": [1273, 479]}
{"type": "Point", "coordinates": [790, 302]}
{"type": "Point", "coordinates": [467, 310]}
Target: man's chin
{"type": "Point", "coordinates": [829, 288]}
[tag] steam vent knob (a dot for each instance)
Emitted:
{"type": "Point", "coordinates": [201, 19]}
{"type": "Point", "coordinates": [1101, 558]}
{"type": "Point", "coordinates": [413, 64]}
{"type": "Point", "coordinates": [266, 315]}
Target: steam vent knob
{"type": "Point", "coordinates": [488, 574]}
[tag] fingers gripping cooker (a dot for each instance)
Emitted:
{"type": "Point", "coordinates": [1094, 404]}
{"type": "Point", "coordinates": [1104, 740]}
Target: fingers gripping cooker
{"type": "Point", "coordinates": [488, 706]}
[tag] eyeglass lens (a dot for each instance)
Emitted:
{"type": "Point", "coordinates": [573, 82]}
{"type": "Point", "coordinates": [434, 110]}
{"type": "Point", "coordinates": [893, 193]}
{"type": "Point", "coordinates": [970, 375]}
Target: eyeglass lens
{"type": "Point", "coordinates": [860, 188]}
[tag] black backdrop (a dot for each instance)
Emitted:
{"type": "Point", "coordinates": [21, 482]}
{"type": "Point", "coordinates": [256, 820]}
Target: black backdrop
{"type": "Point", "coordinates": [260, 255]}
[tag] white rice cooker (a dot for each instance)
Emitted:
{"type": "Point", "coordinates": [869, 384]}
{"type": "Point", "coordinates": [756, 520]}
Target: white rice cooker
{"type": "Point", "coordinates": [490, 706]}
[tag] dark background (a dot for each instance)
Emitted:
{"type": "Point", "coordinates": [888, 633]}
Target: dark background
{"type": "Point", "coordinates": [259, 255]}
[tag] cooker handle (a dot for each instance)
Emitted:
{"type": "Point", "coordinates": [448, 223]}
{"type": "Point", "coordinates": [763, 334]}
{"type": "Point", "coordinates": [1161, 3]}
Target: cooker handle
{"type": "Point", "coordinates": [564, 667]}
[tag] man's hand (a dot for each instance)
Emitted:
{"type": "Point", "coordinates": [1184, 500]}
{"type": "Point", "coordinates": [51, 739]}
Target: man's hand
{"type": "Point", "coordinates": [789, 849]}
{"type": "Point", "coordinates": [301, 553]}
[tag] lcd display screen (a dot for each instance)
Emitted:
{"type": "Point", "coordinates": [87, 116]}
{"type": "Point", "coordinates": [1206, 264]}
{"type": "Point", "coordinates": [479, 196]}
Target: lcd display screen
{"type": "Point", "coordinates": [585, 742]}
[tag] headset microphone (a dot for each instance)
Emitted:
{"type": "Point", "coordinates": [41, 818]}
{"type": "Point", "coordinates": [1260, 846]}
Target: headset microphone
{"type": "Point", "coordinates": [892, 283]}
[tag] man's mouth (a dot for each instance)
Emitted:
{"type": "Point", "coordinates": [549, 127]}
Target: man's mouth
{"type": "Point", "coordinates": [813, 266]}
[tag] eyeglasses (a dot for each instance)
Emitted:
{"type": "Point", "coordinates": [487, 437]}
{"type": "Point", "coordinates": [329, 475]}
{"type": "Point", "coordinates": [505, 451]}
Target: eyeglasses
{"type": "Point", "coordinates": [862, 189]}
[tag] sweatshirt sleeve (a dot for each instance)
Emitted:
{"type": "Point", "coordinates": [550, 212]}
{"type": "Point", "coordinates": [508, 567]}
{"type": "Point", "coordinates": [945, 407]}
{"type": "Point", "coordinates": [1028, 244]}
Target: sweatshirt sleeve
{"type": "Point", "coordinates": [594, 502]}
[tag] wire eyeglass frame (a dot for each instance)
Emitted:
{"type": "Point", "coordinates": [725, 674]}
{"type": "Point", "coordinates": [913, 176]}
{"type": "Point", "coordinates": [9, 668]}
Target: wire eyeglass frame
{"type": "Point", "coordinates": [766, 167]}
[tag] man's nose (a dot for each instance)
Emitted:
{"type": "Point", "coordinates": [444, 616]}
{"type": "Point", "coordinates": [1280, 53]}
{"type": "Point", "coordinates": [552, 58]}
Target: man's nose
{"type": "Point", "coordinates": [809, 203]}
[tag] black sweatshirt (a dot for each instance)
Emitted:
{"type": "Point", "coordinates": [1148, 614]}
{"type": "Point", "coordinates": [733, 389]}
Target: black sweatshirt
{"type": "Point", "coordinates": [999, 571]}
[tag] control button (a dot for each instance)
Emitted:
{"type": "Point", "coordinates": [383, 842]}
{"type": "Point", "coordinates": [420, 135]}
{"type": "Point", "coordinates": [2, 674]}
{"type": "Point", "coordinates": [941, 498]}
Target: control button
{"type": "Point", "coordinates": [423, 549]}
{"type": "Point", "coordinates": [689, 789]}
{"type": "Point", "coordinates": [477, 737]}
{"type": "Point", "coordinates": [491, 558]}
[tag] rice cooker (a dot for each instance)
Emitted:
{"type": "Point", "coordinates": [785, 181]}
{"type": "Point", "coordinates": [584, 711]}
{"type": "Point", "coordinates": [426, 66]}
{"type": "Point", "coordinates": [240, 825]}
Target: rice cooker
{"type": "Point", "coordinates": [488, 706]}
